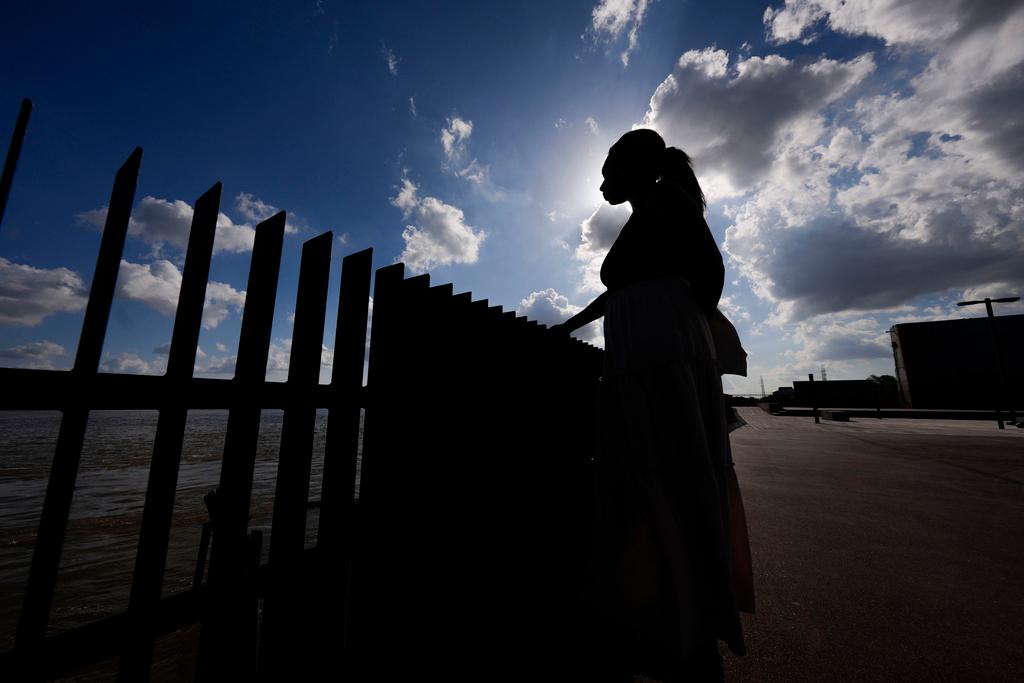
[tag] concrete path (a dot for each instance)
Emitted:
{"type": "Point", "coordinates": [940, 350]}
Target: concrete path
{"type": "Point", "coordinates": [883, 550]}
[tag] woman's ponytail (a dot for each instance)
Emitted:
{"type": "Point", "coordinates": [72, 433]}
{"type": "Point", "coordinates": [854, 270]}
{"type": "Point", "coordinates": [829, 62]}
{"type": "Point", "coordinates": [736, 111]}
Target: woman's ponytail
{"type": "Point", "coordinates": [642, 152]}
{"type": "Point", "coordinates": [677, 168]}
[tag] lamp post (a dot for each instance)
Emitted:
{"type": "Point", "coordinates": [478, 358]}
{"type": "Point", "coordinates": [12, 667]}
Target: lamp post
{"type": "Point", "coordinates": [995, 352]}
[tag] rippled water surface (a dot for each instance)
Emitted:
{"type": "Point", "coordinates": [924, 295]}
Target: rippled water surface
{"type": "Point", "coordinates": [99, 551]}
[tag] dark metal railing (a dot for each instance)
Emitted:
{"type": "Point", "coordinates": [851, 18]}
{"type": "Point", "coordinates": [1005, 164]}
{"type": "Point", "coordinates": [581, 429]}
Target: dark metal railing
{"type": "Point", "coordinates": [442, 368]}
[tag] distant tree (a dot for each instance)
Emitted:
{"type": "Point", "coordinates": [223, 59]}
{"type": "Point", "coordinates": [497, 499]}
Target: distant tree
{"type": "Point", "coordinates": [888, 389]}
{"type": "Point", "coordinates": [885, 382]}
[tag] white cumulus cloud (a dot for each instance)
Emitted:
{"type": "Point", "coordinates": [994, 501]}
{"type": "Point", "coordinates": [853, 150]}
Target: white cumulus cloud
{"type": "Point", "coordinates": [839, 339]}
{"type": "Point", "coordinates": [548, 307]}
{"type": "Point", "coordinates": [165, 222]}
{"type": "Point", "coordinates": [734, 121]}
{"type": "Point", "coordinates": [162, 222]}
{"type": "Point", "coordinates": [914, 191]}
{"type": "Point", "coordinates": [39, 355]}
{"type": "Point", "coordinates": [130, 363]}
{"type": "Point", "coordinates": [157, 285]}
{"type": "Point", "coordinates": [28, 294]}
{"type": "Point", "coordinates": [437, 233]}
{"type": "Point", "coordinates": [894, 21]}
{"type": "Point", "coordinates": [597, 233]}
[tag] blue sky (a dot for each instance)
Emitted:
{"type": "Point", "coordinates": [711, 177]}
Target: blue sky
{"type": "Point", "coordinates": [863, 161]}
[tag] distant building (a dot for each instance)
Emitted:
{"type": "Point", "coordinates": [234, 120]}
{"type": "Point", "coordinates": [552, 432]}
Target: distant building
{"type": "Point", "coordinates": [782, 395]}
{"type": "Point", "coordinates": [843, 393]}
{"type": "Point", "coordinates": [950, 363]}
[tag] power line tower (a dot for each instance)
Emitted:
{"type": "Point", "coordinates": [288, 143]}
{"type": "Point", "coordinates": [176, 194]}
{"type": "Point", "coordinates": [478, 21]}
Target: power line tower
{"type": "Point", "coordinates": [763, 393]}
{"type": "Point", "coordinates": [824, 375]}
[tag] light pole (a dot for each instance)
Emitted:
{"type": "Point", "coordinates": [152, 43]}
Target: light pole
{"type": "Point", "coordinates": [995, 352]}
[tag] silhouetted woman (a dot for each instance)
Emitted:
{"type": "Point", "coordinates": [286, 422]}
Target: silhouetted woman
{"type": "Point", "coordinates": [661, 580]}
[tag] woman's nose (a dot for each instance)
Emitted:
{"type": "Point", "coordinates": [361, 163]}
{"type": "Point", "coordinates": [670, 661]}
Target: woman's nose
{"type": "Point", "coordinates": [602, 186]}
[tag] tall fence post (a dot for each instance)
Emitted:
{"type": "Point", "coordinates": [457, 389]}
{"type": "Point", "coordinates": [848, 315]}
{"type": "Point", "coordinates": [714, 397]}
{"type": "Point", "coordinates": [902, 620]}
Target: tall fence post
{"type": "Point", "coordinates": [283, 631]}
{"type": "Point", "coordinates": [155, 533]}
{"type": "Point", "coordinates": [341, 449]}
{"type": "Point", "coordinates": [42, 576]}
{"type": "Point", "coordinates": [227, 646]}
{"type": "Point", "coordinates": [361, 615]}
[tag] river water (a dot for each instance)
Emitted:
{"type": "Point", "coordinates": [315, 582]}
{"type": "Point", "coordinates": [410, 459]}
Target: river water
{"type": "Point", "coordinates": [99, 551]}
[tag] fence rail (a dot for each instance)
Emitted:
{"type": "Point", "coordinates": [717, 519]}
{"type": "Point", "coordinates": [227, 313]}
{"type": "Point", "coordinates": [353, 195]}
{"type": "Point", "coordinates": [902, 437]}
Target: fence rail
{"type": "Point", "coordinates": [49, 390]}
{"type": "Point", "coordinates": [471, 473]}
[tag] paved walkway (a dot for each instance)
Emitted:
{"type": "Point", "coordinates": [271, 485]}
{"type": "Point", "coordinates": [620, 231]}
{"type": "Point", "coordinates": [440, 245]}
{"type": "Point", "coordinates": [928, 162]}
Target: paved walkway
{"type": "Point", "coordinates": [883, 549]}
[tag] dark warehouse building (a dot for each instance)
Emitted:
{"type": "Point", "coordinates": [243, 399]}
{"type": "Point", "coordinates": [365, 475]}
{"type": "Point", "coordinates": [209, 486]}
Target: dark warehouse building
{"type": "Point", "coordinates": [952, 363]}
{"type": "Point", "coordinates": [843, 393]}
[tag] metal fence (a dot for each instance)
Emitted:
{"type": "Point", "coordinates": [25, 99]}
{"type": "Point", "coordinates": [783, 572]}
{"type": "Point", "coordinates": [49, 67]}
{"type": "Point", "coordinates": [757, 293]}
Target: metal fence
{"type": "Point", "coordinates": [474, 491]}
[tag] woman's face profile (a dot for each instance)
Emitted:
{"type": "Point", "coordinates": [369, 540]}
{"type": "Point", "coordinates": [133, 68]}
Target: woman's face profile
{"type": "Point", "coordinates": [615, 185]}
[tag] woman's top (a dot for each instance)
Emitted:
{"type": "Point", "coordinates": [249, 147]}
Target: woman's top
{"type": "Point", "coordinates": [668, 238]}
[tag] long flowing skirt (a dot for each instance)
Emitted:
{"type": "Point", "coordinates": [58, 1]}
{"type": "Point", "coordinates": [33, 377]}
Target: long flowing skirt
{"type": "Point", "coordinates": [661, 564]}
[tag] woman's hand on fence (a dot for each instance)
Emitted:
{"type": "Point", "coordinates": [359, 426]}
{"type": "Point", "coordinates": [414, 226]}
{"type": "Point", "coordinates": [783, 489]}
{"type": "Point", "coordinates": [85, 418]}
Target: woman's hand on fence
{"type": "Point", "coordinates": [561, 329]}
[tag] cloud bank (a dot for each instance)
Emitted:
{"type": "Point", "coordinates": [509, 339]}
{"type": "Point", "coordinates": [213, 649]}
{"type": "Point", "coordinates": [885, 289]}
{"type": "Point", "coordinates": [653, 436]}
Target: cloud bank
{"type": "Point", "coordinates": [28, 295]}
{"type": "Point", "coordinates": [856, 192]}
{"type": "Point", "coordinates": [38, 355]}
{"type": "Point", "coordinates": [846, 194]}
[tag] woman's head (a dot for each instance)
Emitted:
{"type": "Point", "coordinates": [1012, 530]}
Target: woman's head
{"type": "Point", "coordinates": [638, 160]}
{"type": "Point", "coordinates": [633, 164]}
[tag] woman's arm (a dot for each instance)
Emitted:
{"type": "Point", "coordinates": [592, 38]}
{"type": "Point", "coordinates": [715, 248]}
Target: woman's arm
{"type": "Point", "coordinates": [593, 311]}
